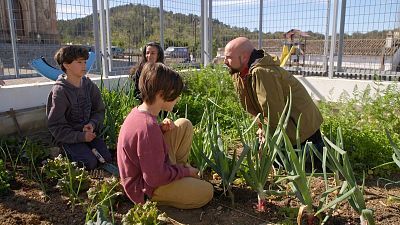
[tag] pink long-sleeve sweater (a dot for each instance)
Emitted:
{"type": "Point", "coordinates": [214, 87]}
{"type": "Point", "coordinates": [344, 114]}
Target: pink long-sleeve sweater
{"type": "Point", "coordinates": [142, 156]}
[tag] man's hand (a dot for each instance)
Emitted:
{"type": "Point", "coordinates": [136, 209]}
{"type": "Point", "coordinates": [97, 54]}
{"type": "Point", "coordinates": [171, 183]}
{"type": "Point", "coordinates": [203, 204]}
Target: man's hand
{"type": "Point", "coordinates": [88, 128]}
{"type": "Point", "coordinates": [261, 135]}
{"type": "Point", "coordinates": [167, 125]}
{"type": "Point", "coordinates": [89, 136]}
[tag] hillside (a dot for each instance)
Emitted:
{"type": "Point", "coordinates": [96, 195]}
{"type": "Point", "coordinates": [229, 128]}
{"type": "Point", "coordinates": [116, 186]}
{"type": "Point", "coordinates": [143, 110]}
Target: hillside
{"type": "Point", "coordinates": [131, 29]}
{"type": "Point", "coordinates": [134, 25]}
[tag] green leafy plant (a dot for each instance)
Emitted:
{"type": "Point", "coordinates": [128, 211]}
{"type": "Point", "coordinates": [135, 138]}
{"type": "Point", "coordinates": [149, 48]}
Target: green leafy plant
{"type": "Point", "coordinates": [343, 165]}
{"type": "Point", "coordinates": [261, 154]}
{"type": "Point", "coordinates": [55, 168]}
{"type": "Point", "coordinates": [35, 152]}
{"type": "Point", "coordinates": [362, 119]}
{"type": "Point", "coordinates": [71, 179]}
{"type": "Point", "coordinates": [119, 102]}
{"type": "Point", "coordinates": [74, 181]}
{"type": "Point", "coordinates": [103, 197]}
{"type": "Point", "coordinates": [101, 218]}
{"type": "Point", "coordinates": [207, 84]}
{"type": "Point", "coordinates": [12, 150]}
{"type": "Point", "coordinates": [4, 179]}
{"type": "Point", "coordinates": [200, 144]}
{"type": "Point", "coordinates": [396, 160]}
{"type": "Point", "coordinates": [143, 214]}
{"type": "Point", "coordinates": [224, 164]}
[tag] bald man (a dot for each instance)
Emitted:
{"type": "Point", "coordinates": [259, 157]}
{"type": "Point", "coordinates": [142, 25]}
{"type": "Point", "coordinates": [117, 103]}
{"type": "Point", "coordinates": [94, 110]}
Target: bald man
{"type": "Point", "coordinates": [261, 82]}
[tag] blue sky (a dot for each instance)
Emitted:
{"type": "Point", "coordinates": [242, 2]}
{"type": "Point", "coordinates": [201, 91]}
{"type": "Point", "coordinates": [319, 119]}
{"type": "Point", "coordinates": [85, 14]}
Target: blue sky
{"type": "Point", "coordinates": [361, 15]}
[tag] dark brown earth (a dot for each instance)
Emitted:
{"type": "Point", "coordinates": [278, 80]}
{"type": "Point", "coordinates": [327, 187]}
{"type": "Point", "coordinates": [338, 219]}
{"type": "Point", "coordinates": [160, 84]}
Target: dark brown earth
{"type": "Point", "coordinates": [25, 205]}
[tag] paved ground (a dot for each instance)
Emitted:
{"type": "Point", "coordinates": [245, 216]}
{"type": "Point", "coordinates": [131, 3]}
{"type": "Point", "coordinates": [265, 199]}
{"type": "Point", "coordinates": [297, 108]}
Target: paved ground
{"type": "Point", "coordinates": [33, 80]}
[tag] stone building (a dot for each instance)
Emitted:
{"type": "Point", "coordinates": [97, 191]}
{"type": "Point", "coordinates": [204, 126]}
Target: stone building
{"type": "Point", "coordinates": [35, 21]}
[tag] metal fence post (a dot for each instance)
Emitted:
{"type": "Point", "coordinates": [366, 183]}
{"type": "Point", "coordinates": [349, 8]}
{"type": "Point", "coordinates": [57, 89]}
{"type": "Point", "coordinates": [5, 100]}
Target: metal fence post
{"type": "Point", "coordinates": [96, 33]}
{"type": "Point", "coordinates": [333, 39]}
{"type": "Point", "coordinates": [260, 25]}
{"type": "Point", "coordinates": [103, 41]}
{"type": "Point", "coordinates": [13, 37]}
{"type": "Point", "coordinates": [204, 33]}
{"type": "Point", "coordinates": [210, 26]}
{"type": "Point", "coordinates": [326, 41]}
{"type": "Point", "coordinates": [162, 23]}
{"type": "Point", "coordinates": [109, 46]}
{"type": "Point", "coordinates": [341, 36]}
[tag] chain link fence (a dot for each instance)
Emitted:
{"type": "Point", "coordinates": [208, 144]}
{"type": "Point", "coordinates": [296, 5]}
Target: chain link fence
{"type": "Point", "coordinates": [366, 41]}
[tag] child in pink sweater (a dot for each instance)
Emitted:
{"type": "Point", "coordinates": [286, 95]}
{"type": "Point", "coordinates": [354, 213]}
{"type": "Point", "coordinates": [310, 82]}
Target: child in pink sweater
{"type": "Point", "coordinates": [152, 157]}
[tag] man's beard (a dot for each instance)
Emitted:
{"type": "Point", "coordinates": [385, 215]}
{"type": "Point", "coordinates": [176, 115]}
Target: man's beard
{"type": "Point", "coordinates": [233, 70]}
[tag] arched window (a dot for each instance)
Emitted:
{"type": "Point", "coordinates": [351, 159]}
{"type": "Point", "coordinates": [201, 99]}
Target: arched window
{"type": "Point", "coordinates": [19, 19]}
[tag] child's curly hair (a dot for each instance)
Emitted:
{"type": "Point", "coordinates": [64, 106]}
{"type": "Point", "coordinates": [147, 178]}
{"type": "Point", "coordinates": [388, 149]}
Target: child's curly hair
{"type": "Point", "coordinates": [70, 53]}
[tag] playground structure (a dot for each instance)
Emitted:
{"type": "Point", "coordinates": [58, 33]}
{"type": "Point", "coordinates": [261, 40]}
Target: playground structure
{"type": "Point", "coordinates": [43, 68]}
{"type": "Point", "coordinates": [295, 44]}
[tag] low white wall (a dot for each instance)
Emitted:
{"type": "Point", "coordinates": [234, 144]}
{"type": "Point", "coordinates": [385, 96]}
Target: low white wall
{"type": "Point", "coordinates": [28, 101]}
{"type": "Point", "coordinates": [25, 96]}
{"type": "Point", "coordinates": [33, 95]}
{"type": "Point", "coordinates": [325, 89]}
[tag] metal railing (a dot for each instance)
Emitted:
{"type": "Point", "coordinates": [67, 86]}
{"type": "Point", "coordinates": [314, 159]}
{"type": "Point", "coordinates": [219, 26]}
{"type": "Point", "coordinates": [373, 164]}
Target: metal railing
{"type": "Point", "coordinates": [365, 43]}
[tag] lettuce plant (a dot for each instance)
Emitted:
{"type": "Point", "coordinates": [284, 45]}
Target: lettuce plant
{"type": "Point", "coordinates": [143, 214]}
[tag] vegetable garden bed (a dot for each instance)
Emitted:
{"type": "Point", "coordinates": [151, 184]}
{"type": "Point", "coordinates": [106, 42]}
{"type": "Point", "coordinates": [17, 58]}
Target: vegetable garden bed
{"type": "Point", "coordinates": [225, 149]}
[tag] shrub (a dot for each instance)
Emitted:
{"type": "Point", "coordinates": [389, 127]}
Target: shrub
{"type": "Point", "coordinates": [4, 179]}
{"type": "Point", "coordinates": [207, 84]}
{"type": "Point", "coordinates": [363, 120]}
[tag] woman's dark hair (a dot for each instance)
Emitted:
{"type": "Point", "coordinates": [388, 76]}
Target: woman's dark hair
{"type": "Point", "coordinates": [143, 60]}
{"type": "Point", "coordinates": [70, 53]}
{"type": "Point", "coordinates": [137, 70]}
{"type": "Point", "coordinates": [157, 78]}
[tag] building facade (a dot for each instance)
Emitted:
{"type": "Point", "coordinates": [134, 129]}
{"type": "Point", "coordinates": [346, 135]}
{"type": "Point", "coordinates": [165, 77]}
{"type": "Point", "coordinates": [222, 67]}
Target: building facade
{"type": "Point", "coordinates": [35, 21]}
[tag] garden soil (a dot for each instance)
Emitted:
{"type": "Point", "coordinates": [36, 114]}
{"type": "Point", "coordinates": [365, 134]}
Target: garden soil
{"type": "Point", "coordinates": [26, 204]}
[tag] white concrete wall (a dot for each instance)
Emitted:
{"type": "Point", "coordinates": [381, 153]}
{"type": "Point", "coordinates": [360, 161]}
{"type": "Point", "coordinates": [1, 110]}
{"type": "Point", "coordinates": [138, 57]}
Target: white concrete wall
{"type": "Point", "coordinates": [325, 89]}
{"type": "Point", "coordinates": [29, 100]}
{"type": "Point", "coordinates": [33, 95]}
{"type": "Point", "coordinates": [25, 96]}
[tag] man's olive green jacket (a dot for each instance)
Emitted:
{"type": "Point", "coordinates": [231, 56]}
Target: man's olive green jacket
{"type": "Point", "coordinates": [267, 84]}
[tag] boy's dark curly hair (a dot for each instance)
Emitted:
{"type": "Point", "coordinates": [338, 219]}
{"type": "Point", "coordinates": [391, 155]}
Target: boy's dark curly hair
{"type": "Point", "coordinates": [67, 54]}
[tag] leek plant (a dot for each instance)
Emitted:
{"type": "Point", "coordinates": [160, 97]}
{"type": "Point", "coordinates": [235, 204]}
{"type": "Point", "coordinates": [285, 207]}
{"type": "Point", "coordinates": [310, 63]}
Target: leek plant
{"type": "Point", "coordinates": [300, 184]}
{"type": "Point", "coordinates": [201, 144]}
{"type": "Point", "coordinates": [220, 161]}
{"type": "Point", "coordinates": [11, 155]}
{"type": "Point", "coordinates": [294, 162]}
{"type": "Point", "coordinates": [261, 154]}
{"type": "Point", "coordinates": [343, 165]}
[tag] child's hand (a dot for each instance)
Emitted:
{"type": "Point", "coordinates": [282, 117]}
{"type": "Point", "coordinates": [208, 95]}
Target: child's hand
{"type": "Point", "coordinates": [167, 124]}
{"type": "Point", "coordinates": [89, 136]}
{"type": "Point", "coordinates": [88, 127]}
{"type": "Point", "coordinates": [194, 172]}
